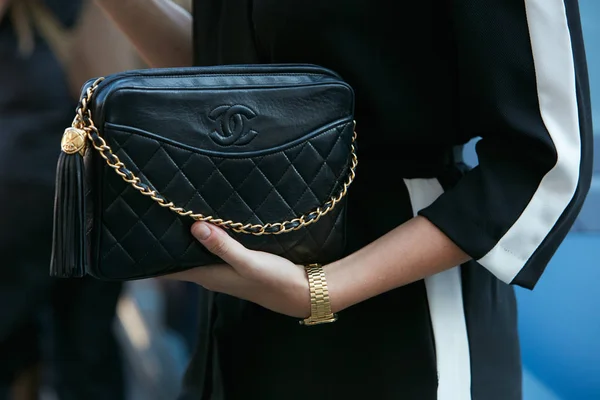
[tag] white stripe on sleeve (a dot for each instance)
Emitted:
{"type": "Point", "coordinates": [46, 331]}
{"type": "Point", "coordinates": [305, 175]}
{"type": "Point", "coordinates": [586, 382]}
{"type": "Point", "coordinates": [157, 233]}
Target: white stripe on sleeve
{"type": "Point", "coordinates": [555, 76]}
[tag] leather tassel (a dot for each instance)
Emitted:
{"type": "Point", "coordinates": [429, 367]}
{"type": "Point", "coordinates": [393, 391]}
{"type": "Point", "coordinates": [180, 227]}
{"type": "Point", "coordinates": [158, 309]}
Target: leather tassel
{"type": "Point", "coordinates": [68, 242]}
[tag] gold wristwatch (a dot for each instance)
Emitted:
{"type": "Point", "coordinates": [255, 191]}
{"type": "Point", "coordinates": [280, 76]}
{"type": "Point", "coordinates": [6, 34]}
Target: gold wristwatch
{"type": "Point", "coordinates": [320, 307]}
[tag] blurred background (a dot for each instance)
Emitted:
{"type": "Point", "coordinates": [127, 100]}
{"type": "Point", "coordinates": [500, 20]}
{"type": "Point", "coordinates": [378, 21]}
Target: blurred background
{"type": "Point", "coordinates": [144, 331]}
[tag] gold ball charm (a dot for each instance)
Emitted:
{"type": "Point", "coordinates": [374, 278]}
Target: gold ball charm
{"type": "Point", "coordinates": [73, 140]}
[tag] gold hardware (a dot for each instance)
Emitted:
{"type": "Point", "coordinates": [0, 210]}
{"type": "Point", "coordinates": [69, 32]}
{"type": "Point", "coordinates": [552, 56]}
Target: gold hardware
{"type": "Point", "coordinates": [73, 141]}
{"type": "Point", "coordinates": [320, 307]}
{"type": "Point", "coordinates": [83, 121]}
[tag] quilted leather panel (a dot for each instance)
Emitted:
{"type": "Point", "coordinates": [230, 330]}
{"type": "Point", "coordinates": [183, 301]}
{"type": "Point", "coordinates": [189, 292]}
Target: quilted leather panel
{"type": "Point", "coordinates": [253, 144]}
{"type": "Point", "coordinates": [138, 238]}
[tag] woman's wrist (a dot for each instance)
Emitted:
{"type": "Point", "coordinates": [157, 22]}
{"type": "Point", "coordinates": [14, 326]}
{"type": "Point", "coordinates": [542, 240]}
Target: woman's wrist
{"type": "Point", "coordinates": [411, 252]}
{"type": "Point", "coordinates": [345, 290]}
{"type": "Point", "coordinates": [302, 293]}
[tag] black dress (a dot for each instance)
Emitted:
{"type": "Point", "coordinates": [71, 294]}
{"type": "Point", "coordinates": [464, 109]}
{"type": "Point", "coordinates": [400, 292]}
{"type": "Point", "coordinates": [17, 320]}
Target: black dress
{"type": "Point", "coordinates": [427, 79]}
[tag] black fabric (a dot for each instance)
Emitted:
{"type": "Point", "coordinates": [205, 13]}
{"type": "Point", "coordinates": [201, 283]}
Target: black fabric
{"type": "Point", "coordinates": [252, 145]}
{"type": "Point", "coordinates": [381, 348]}
{"type": "Point", "coordinates": [491, 318]}
{"type": "Point", "coordinates": [427, 79]}
{"type": "Point", "coordinates": [228, 40]}
{"type": "Point", "coordinates": [498, 100]}
{"type": "Point", "coordinates": [538, 261]}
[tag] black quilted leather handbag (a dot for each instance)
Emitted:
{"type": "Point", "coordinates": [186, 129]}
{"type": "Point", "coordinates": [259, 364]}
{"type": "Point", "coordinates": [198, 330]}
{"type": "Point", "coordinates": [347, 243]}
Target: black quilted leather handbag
{"type": "Point", "coordinates": [264, 151]}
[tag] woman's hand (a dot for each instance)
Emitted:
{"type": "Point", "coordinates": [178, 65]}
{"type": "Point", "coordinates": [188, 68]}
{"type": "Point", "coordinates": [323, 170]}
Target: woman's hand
{"type": "Point", "coordinates": [412, 251]}
{"type": "Point", "coordinates": [262, 278]}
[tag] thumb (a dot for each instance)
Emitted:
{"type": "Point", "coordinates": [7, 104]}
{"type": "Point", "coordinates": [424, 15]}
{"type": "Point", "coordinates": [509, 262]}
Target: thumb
{"type": "Point", "coordinates": [222, 245]}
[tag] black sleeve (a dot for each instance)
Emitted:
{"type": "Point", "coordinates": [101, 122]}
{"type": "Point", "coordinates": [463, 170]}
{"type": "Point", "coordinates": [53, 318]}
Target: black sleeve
{"type": "Point", "coordinates": [523, 88]}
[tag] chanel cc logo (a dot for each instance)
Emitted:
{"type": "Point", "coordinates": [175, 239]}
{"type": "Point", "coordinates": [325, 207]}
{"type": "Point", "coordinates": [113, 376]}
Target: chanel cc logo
{"type": "Point", "coordinates": [233, 125]}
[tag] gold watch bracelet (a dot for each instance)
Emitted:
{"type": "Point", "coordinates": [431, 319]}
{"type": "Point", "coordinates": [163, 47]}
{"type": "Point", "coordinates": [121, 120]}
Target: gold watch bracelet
{"type": "Point", "coordinates": [320, 306]}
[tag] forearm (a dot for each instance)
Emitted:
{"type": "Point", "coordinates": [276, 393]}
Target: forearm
{"type": "Point", "coordinates": [412, 251]}
{"type": "Point", "coordinates": [159, 29]}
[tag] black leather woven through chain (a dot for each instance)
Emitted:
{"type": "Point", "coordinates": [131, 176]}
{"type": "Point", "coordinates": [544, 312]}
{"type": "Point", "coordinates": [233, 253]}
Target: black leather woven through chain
{"type": "Point", "coordinates": [253, 144]}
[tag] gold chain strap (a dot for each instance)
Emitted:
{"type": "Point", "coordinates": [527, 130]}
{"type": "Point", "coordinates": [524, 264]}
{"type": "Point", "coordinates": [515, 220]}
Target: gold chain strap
{"type": "Point", "coordinates": [83, 123]}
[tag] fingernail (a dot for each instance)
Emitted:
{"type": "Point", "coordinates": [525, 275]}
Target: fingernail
{"type": "Point", "coordinates": [201, 231]}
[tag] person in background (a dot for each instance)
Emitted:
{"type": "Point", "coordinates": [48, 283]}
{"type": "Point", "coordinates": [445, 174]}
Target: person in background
{"type": "Point", "coordinates": [45, 323]}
